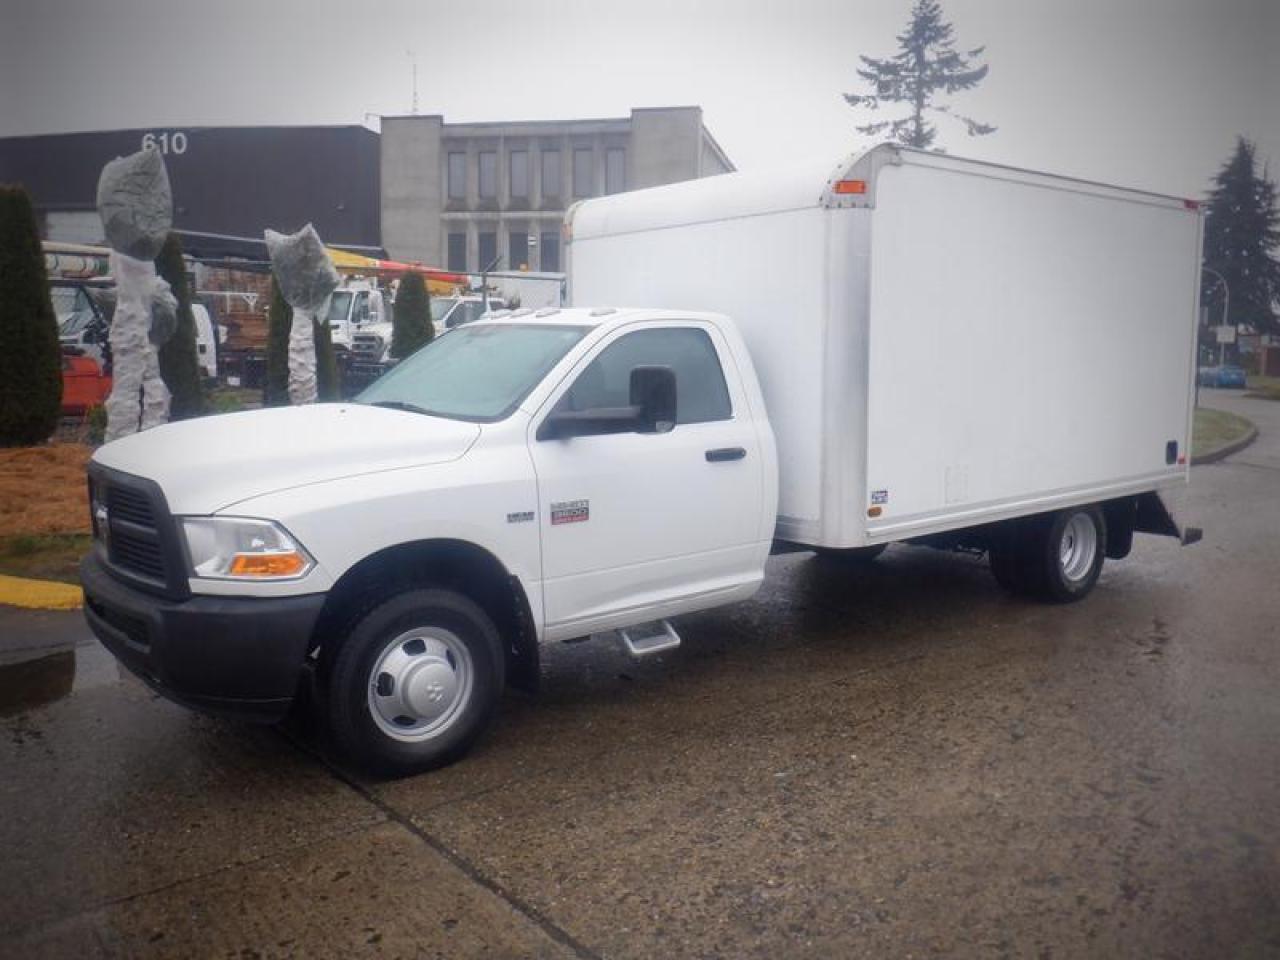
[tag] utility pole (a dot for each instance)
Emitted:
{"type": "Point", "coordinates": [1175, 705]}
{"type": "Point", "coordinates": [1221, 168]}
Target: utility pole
{"type": "Point", "coordinates": [484, 280]}
{"type": "Point", "coordinates": [1226, 305]}
{"type": "Point", "coordinates": [413, 57]}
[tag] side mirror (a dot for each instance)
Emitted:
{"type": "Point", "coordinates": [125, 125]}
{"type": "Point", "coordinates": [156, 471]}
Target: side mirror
{"type": "Point", "coordinates": [653, 391]}
{"type": "Point", "coordinates": [652, 410]}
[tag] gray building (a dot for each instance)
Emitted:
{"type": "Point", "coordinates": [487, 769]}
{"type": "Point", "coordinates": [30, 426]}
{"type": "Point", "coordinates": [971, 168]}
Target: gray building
{"type": "Point", "coordinates": [461, 194]}
{"type": "Point", "coordinates": [233, 181]}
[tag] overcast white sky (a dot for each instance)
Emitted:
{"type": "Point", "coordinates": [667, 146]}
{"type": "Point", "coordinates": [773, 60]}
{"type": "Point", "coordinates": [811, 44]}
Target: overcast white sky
{"type": "Point", "coordinates": [1147, 93]}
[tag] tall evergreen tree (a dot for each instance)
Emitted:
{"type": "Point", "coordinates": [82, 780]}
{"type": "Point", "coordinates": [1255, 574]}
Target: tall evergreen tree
{"type": "Point", "coordinates": [411, 324]}
{"type": "Point", "coordinates": [926, 65]}
{"type": "Point", "coordinates": [30, 356]}
{"type": "Point", "coordinates": [275, 377]}
{"type": "Point", "coordinates": [1241, 241]}
{"type": "Point", "coordinates": [179, 362]}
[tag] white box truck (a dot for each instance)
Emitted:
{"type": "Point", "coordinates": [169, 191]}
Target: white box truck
{"type": "Point", "coordinates": [921, 348]}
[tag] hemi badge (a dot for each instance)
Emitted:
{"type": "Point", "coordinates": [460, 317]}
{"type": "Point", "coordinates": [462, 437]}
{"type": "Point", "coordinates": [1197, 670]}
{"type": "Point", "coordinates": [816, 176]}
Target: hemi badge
{"type": "Point", "coordinates": [523, 516]}
{"type": "Point", "coordinates": [570, 511]}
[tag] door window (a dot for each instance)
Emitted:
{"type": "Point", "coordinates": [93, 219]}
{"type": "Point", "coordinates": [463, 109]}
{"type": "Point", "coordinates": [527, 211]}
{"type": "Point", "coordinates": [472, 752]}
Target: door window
{"type": "Point", "coordinates": [701, 393]}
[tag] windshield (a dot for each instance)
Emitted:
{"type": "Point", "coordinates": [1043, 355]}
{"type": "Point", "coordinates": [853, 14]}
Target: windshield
{"type": "Point", "coordinates": [476, 373]}
{"type": "Point", "coordinates": [440, 306]}
{"type": "Point", "coordinates": [75, 323]}
{"type": "Point", "coordinates": [339, 304]}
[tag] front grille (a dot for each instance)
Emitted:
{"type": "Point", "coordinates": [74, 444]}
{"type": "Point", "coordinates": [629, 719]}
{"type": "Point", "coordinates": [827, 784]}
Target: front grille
{"type": "Point", "coordinates": [140, 539]}
{"type": "Point", "coordinates": [367, 346]}
{"type": "Point", "coordinates": [130, 505]}
{"type": "Point", "coordinates": [136, 551]}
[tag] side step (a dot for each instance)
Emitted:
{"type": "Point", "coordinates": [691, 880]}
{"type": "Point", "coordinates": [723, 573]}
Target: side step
{"type": "Point", "coordinates": [646, 639]}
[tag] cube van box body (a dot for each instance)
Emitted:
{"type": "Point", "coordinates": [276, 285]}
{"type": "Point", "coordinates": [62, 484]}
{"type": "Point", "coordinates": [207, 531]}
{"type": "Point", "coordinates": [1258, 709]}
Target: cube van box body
{"type": "Point", "coordinates": [906, 347]}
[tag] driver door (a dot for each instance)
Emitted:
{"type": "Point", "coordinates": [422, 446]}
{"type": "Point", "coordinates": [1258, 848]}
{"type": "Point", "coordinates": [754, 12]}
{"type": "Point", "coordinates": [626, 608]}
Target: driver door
{"type": "Point", "coordinates": [638, 526]}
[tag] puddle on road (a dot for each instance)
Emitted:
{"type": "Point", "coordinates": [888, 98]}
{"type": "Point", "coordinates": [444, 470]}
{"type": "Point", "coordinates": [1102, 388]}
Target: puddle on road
{"type": "Point", "coordinates": [53, 676]}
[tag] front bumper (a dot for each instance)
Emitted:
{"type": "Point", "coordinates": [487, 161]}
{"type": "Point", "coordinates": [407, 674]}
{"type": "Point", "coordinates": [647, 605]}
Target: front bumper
{"type": "Point", "coordinates": [242, 656]}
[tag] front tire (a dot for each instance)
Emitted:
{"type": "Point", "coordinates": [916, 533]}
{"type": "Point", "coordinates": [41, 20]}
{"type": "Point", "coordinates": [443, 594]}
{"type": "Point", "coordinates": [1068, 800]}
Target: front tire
{"type": "Point", "coordinates": [416, 682]}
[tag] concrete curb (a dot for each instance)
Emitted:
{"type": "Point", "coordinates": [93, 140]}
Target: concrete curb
{"type": "Point", "coordinates": [1227, 449]}
{"type": "Point", "coordinates": [39, 594]}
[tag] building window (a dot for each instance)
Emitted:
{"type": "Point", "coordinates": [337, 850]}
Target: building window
{"type": "Point", "coordinates": [457, 176]}
{"type": "Point", "coordinates": [582, 179]}
{"type": "Point", "coordinates": [488, 174]}
{"type": "Point", "coordinates": [615, 171]}
{"type": "Point", "coordinates": [458, 252]}
{"type": "Point", "coordinates": [550, 245]}
{"type": "Point", "coordinates": [518, 255]}
{"type": "Point", "coordinates": [519, 173]}
{"type": "Point", "coordinates": [551, 173]}
{"type": "Point", "coordinates": [488, 249]}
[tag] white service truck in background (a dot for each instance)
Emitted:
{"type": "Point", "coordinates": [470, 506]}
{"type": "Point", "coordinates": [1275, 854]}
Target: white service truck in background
{"type": "Point", "coordinates": [907, 347]}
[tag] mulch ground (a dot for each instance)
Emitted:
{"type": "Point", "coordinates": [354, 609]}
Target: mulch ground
{"type": "Point", "coordinates": [42, 489]}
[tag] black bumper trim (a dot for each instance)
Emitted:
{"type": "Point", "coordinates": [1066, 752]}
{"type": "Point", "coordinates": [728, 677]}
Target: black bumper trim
{"type": "Point", "coordinates": [241, 656]}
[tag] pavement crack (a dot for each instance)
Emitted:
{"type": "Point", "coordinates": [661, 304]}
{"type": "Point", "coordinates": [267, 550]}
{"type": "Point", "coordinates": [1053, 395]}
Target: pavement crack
{"type": "Point", "coordinates": [468, 869]}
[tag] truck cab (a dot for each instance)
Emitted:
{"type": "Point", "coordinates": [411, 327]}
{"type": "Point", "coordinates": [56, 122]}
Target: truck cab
{"type": "Point", "coordinates": [450, 312]}
{"type": "Point", "coordinates": [526, 480]}
{"type": "Point", "coordinates": [356, 307]}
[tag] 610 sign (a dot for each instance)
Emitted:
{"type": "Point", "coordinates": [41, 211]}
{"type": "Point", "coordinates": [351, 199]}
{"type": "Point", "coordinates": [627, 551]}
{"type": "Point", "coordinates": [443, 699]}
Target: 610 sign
{"type": "Point", "coordinates": [166, 143]}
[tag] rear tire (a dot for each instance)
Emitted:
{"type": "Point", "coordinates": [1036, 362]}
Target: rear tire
{"type": "Point", "coordinates": [1068, 553]}
{"type": "Point", "coordinates": [416, 682]}
{"type": "Point", "coordinates": [1055, 557]}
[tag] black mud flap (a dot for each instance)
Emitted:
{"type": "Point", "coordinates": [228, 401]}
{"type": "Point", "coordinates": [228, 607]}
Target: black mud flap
{"type": "Point", "coordinates": [1154, 517]}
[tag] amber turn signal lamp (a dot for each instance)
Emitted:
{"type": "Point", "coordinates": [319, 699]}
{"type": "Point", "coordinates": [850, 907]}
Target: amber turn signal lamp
{"type": "Point", "coordinates": [267, 564]}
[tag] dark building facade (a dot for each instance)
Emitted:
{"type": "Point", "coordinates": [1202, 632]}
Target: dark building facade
{"type": "Point", "coordinates": [235, 181]}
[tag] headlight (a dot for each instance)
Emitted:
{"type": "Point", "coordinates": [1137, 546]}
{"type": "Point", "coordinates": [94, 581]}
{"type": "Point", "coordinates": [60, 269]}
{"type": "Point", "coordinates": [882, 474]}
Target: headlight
{"type": "Point", "coordinates": [237, 548]}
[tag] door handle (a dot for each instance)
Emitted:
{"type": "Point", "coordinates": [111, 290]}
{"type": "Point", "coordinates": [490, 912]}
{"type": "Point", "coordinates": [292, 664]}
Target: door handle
{"type": "Point", "coordinates": [723, 454]}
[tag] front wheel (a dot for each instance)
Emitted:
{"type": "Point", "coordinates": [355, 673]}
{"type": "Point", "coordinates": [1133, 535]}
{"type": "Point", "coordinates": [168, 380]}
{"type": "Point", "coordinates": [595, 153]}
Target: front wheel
{"type": "Point", "coordinates": [416, 682]}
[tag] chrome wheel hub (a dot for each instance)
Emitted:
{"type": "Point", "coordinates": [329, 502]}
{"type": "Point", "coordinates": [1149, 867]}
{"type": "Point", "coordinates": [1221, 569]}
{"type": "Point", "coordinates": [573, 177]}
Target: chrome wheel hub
{"type": "Point", "coordinates": [420, 683]}
{"type": "Point", "coordinates": [1078, 547]}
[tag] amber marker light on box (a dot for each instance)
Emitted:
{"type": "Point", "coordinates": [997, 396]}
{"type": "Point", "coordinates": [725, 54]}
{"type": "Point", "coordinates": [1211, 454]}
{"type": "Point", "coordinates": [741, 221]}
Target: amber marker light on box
{"type": "Point", "coordinates": [851, 186]}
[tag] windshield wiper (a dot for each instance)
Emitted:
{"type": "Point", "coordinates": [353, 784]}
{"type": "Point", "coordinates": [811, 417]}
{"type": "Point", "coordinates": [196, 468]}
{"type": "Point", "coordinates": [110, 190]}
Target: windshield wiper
{"type": "Point", "coordinates": [402, 405]}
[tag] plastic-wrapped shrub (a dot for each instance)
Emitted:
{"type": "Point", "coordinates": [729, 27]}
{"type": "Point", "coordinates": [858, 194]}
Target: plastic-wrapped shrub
{"type": "Point", "coordinates": [164, 313]}
{"type": "Point", "coordinates": [302, 267]}
{"type": "Point", "coordinates": [306, 277]}
{"type": "Point", "coordinates": [136, 204]}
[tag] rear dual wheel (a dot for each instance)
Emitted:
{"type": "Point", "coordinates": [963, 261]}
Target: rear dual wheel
{"type": "Point", "coordinates": [1056, 557]}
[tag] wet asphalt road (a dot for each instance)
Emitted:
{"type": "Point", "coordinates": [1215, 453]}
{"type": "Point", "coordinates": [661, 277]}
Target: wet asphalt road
{"type": "Point", "coordinates": [899, 761]}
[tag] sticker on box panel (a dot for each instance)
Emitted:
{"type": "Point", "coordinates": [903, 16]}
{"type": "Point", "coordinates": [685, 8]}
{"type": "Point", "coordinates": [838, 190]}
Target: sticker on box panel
{"type": "Point", "coordinates": [879, 497]}
{"type": "Point", "coordinates": [570, 511]}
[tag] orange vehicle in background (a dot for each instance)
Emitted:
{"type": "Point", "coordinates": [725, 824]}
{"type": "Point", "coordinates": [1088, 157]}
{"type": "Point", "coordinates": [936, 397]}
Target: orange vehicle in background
{"type": "Point", "coordinates": [84, 384]}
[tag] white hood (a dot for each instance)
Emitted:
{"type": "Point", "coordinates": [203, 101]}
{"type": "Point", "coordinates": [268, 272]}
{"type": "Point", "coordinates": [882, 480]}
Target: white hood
{"type": "Point", "coordinates": [208, 464]}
